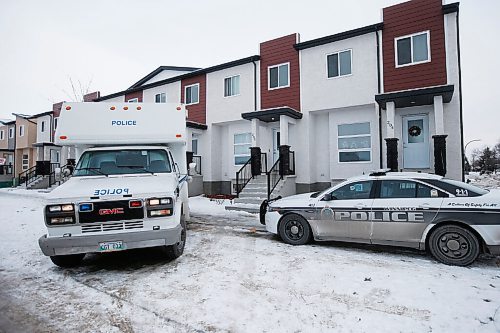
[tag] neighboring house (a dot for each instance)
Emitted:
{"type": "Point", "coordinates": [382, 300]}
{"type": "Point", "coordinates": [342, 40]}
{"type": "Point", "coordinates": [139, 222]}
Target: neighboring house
{"type": "Point", "coordinates": [25, 137]}
{"type": "Point", "coordinates": [7, 144]}
{"type": "Point", "coordinates": [387, 95]}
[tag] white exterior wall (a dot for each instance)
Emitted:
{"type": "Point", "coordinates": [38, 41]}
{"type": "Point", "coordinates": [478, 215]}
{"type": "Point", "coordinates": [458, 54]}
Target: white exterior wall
{"type": "Point", "coordinates": [320, 92]}
{"type": "Point", "coordinates": [43, 136]}
{"type": "Point", "coordinates": [166, 74]}
{"type": "Point", "coordinates": [224, 109]}
{"type": "Point", "coordinates": [172, 90]}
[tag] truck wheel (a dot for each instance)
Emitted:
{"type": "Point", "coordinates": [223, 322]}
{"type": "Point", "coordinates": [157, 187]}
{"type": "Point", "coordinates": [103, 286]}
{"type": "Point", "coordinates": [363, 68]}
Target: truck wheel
{"type": "Point", "coordinates": [67, 261]}
{"type": "Point", "coordinates": [175, 251]}
{"type": "Point", "coordinates": [294, 230]}
{"type": "Point", "coordinates": [454, 245]}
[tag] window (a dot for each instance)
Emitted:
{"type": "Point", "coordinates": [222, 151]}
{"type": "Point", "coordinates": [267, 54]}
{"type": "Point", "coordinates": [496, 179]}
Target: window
{"type": "Point", "coordinates": [192, 94]}
{"type": "Point", "coordinates": [161, 98]}
{"type": "Point", "coordinates": [25, 162]}
{"type": "Point", "coordinates": [232, 86]}
{"type": "Point", "coordinates": [21, 130]}
{"type": "Point", "coordinates": [412, 49]}
{"type": "Point", "coordinates": [11, 132]}
{"type": "Point", "coordinates": [339, 64]}
{"type": "Point", "coordinates": [278, 76]}
{"type": "Point", "coordinates": [457, 188]}
{"type": "Point", "coordinates": [56, 120]}
{"type": "Point", "coordinates": [242, 143]}
{"type": "Point", "coordinates": [42, 126]}
{"type": "Point", "coordinates": [1, 135]}
{"type": "Point", "coordinates": [358, 190]}
{"type": "Point", "coordinates": [354, 142]}
{"type": "Point", "coordinates": [407, 189]}
{"type": "Point", "coordinates": [194, 144]}
{"type": "Point", "coordinates": [133, 100]}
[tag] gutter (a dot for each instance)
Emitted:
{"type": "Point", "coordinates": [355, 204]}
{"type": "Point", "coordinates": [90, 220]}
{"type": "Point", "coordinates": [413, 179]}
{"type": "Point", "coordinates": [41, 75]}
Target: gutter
{"type": "Point", "coordinates": [254, 85]}
{"type": "Point", "coordinates": [380, 139]}
{"type": "Point", "coordinates": [460, 97]}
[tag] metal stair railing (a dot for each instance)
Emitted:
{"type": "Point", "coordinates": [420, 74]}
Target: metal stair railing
{"type": "Point", "coordinates": [243, 176]}
{"type": "Point", "coordinates": [27, 176]}
{"type": "Point", "coordinates": [273, 178]}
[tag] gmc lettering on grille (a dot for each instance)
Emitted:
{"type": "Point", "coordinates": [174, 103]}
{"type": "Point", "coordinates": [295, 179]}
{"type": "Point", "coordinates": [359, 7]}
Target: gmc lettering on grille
{"type": "Point", "coordinates": [112, 211]}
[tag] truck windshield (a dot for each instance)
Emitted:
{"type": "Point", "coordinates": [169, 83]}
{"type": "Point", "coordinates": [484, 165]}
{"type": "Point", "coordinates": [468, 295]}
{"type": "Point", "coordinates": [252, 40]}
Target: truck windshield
{"type": "Point", "coordinates": [117, 162]}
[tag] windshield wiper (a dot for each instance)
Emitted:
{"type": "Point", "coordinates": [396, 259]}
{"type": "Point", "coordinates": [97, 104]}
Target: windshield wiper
{"type": "Point", "coordinates": [97, 170]}
{"type": "Point", "coordinates": [136, 167]}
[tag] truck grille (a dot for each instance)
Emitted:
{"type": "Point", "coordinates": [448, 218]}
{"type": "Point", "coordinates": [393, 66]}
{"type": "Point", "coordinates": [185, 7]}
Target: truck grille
{"type": "Point", "coordinates": [98, 214]}
{"type": "Point", "coordinates": [101, 227]}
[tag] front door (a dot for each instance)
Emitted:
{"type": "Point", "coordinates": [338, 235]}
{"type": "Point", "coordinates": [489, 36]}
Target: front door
{"type": "Point", "coordinates": [416, 153]}
{"type": "Point", "coordinates": [276, 144]}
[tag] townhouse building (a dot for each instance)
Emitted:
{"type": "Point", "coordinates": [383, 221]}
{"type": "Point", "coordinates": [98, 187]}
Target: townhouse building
{"type": "Point", "coordinates": [7, 146]}
{"type": "Point", "coordinates": [387, 95]}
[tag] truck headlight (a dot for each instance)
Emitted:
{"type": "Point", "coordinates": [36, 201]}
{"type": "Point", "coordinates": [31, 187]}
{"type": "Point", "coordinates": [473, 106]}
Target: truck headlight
{"type": "Point", "coordinates": [60, 214]}
{"type": "Point", "coordinates": [158, 207]}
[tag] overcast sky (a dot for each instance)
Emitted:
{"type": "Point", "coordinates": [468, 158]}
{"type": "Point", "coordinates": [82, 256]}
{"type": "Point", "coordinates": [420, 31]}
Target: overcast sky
{"type": "Point", "coordinates": [113, 43]}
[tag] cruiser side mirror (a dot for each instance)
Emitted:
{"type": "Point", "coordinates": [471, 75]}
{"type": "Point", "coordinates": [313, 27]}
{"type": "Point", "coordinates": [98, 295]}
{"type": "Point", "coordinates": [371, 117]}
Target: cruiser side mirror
{"type": "Point", "coordinates": [192, 168]}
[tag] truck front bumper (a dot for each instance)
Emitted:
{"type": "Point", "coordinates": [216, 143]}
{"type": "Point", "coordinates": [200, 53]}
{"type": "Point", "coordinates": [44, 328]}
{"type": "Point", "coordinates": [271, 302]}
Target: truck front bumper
{"type": "Point", "coordinates": [53, 246]}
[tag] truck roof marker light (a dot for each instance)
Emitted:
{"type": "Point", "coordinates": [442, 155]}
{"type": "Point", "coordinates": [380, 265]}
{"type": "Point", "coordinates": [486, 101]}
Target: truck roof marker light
{"type": "Point", "coordinates": [139, 108]}
{"type": "Point", "coordinates": [178, 136]}
{"type": "Point", "coordinates": [125, 108]}
{"type": "Point", "coordinates": [112, 108]}
{"type": "Point", "coordinates": [63, 137]}
{"type": "Point", "coordinates": [179, 108]}
{"type": "Point", "coordinates": [68, 108]}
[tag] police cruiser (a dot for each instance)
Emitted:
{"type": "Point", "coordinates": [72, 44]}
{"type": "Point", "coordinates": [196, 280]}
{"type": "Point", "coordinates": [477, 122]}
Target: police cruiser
{"type": "Point", "coordinates": [129, 187]}
{"type": "Point", "coordinates": [453, 220]}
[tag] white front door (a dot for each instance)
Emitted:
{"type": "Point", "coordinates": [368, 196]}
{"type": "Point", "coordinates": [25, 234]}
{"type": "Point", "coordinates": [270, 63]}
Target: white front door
{"type": "Point", "coordinates": [416, 153]}
{"type": "Point", "coordinates": [276, 144]}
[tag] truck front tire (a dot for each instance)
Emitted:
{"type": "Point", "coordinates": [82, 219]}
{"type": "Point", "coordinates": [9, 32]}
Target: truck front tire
{"type": "Point", "coordinates": [175, 251]}
{"type": "Point", "coordinates": [67, 261]}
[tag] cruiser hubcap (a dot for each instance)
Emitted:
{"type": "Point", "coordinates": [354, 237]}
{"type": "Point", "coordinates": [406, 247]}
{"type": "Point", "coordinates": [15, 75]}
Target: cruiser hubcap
{"type": "Point", "coordinates": [454, 245]}
{"type": "Point", "coordinates": [294, 230]}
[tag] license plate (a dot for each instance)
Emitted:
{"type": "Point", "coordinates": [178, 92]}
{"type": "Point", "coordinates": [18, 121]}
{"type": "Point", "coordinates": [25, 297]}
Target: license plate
{"type": "Point", "coordinates": [111, 246]}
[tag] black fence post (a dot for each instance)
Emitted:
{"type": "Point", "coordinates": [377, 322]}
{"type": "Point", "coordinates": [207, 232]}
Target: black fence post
{"type": "Point", "coordinates": [440, 154]}
{"type": "Point", "coordinates": [284, 151]}
{"type": "Point", "coordinates": [256, 163]}
{"type": "Point", "coordinates": [392, 153]}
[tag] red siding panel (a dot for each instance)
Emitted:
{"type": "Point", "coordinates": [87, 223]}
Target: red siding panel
{"type": "Point", "coordinates": [132, 95]}
{"type": "Point", "coordinates": [409, 18]}
{"type": "Point", "coordinates": [274, 52]}
{"type": "Point", "coordinates": [197, 112]}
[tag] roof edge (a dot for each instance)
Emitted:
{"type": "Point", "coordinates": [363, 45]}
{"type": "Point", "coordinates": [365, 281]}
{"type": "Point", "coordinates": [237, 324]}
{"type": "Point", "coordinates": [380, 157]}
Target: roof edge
{"type": "Point", "coordinates": [451, 8]}
{"type": "Point", "coordinates": [161, 69]}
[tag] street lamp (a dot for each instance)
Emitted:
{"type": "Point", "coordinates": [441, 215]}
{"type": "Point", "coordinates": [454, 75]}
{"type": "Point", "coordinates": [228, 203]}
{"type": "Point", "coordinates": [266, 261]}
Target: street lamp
{"type": "Point", "coordinates": [465, 150]}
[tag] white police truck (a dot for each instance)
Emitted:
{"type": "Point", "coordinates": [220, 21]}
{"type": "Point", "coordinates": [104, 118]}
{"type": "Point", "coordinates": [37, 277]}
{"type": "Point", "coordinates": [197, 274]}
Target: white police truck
{"type": "Point", "coordinates": [129, 187]}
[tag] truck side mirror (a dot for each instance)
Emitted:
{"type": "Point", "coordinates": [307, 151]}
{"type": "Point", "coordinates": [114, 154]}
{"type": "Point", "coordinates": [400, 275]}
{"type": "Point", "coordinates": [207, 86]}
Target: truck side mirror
{"type": "Point", "coordinates": [192, 168]}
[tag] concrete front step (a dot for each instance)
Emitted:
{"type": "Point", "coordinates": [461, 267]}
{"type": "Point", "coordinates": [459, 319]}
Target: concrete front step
{"type": "Point", "coordinates": [256, 201]}
{"type": "Point", "coordinates": [249, 208]}
{"type": "Point", "coordinates": [244, 194]}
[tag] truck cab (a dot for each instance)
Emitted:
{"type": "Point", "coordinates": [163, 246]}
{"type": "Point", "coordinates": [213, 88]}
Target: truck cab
{"type": "Point", "coordinates": [129, 187]}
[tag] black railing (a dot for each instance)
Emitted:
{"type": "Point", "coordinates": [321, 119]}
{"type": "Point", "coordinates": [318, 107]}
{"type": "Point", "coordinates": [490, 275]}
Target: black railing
{"type": "Point", "coordinates": [197, 160]}
{"type": "Point", "coordinates": [27, 176]}
{"type": "Point", "coordinates": [243, 176]}
{"type": "Point", "coordinates": [6, 169]}
{"type": "Point", "coordinates": [273, 178]}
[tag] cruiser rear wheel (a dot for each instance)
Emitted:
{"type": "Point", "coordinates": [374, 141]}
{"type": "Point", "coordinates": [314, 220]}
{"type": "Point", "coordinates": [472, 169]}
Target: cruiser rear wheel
{"type": "Point", "coordinates": [71, 260]}
{"type": "Point", "coordinates": [294, 230]}
{"type": "Point", "coordinates": [454, 245]}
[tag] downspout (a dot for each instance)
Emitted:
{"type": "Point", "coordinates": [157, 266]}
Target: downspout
{"type": "Point", "coordinates": [380, 141]}
{"type": "Point", "coordinates": [460, 99]}
{"type": "Point", "coordinates": [254, 85]}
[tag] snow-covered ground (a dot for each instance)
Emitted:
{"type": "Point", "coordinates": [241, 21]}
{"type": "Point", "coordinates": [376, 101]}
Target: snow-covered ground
{"type": "Point", "coordinates": [235, 277]}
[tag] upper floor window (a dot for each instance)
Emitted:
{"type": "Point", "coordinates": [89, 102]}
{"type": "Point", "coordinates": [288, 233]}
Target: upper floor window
{"type": "Point", "coordinates": [1, 135]}
{"type": "Point", "coordinates": [161, 98]}
{"type": "Point", "coordinates": [192, 94]}
{"type": "Point", "coordinates": [232, 86]}
{"type": "Point", "coordinates": [11, 132]}
{"type": "Point", "coordinates": [339, 63]}
{"type": "Point", "coordinates": [133, 100]}
{"type": "Point", "coordinates": [279, 76]}
{"type": "Point", "coordinates": [21, 130]}
{"type": "Point", "coordinates": [354, 142]}
{"type": "Point", "coordinates": [413, 49]}
{"type": "Point", "coordinates": [42, 127]}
